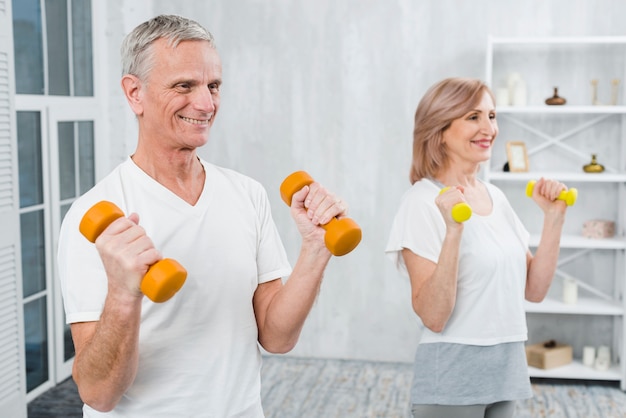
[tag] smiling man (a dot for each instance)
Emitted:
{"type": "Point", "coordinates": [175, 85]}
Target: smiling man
{"type": "Point", "coordinates": [197, 354]}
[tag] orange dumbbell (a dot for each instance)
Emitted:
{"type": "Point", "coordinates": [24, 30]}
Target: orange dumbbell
{"type": "Point", "coordinates": [342, 235]}
{"type": "Point", "coordinates": [162, 280]}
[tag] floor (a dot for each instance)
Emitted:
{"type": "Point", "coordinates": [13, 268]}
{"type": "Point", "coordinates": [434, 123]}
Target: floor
{"type": "Point", "coordinates": [315, 388]}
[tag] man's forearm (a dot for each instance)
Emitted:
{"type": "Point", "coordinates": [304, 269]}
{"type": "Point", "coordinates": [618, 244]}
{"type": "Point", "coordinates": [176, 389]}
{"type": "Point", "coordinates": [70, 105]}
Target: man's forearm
{"type": "Point", "coordinates": [107, 355]}
{"type": "Point", "coordinates": [290, 306]}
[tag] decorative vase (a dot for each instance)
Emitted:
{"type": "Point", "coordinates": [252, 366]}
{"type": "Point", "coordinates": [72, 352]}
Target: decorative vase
{"type": "Point", "coordinates": [593, 166]}
{"type": "Point", "coordinates": [555, 100]}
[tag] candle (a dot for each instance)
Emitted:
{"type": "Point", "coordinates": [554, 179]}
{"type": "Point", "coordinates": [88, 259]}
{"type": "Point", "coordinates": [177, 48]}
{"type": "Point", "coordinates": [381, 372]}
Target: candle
{"type": "Point", "coordinates": [519, 93]}
{"type": "Point", "coordinates": [502, 97]}
{"type": "Point", "coordinates": [602, 365]}
{"type": "Point", "coordinates": [603, 360]}
{"type": "Point", "coordinates": [570, 291]}
{"type": "Point", "coordinates": [589, 356]}
{"type": "Point", "coordinates": [604, 352]}
{"type": "Point", "coordinates": [511, 82]}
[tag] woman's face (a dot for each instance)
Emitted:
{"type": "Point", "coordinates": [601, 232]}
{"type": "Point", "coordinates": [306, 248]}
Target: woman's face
{"type": "Point", "coordinates": [470, 137]}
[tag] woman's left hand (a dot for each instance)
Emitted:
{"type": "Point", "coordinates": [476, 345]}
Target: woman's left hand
{"type": "Point", "coordinates": [546, 193]}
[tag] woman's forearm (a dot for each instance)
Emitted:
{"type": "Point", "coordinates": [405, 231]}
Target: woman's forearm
{"type": "Point", "coordinates": [542, 265]}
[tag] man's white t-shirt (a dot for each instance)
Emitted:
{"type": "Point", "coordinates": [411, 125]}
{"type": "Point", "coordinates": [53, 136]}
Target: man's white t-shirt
{"type": "Point", "coordinates": [198, 352]}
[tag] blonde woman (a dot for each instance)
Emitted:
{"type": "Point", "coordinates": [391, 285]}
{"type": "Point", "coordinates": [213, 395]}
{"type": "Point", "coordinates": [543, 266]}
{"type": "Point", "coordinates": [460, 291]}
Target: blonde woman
{"type": "Point", "coordinates": [468, 279]}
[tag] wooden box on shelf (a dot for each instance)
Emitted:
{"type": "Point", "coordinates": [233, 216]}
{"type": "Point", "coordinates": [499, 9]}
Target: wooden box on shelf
{"type": "Point", "coordinates": [548, 354]}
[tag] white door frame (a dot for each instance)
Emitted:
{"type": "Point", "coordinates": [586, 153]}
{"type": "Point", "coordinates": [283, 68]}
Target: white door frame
{"type": "Point", "coordinates": [54, 110]}
{"type": "Point", "coordinates": [56, 114]}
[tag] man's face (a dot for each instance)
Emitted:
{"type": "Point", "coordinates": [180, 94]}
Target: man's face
{"type": "Point", "coordinates": [181, 95]}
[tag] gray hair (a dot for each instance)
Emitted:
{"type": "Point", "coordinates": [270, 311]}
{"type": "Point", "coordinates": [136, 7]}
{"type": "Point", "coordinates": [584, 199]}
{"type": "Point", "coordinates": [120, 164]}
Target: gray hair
{"type": "Point", "coordinates": [137, 57]}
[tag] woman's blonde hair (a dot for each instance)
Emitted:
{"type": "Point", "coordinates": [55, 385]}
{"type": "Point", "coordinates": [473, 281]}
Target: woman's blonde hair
{"type": "Point", "coordinates": [444, 102]}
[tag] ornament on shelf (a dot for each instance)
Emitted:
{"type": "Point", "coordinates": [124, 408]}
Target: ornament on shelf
{"type": "Point", "coordinates": [548, 354]}
{"type": "Point", "coordinates": [594, 92]}
{"type": "Point", "coordinates": [517, 90]}
{"type": "Point", "coordinates": [502, 97]}
{"type": "Point", "coordinates": [555, 100]}
{"type": "Point", "coordinates": [603, 359]}
{"type": "Point", "coordinates": [614, 91]}
{"type": "Point", "coordinates": [589, 355]}
{"type": "Point", "coordinates": [570, 291]}
{"type": "Point", "coordinates": [593, 166]}
{"type": "Point", "coordinates": [598, 229]}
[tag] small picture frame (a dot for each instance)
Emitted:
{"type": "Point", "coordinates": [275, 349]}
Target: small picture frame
{"type": "Point", "coordinates": [517, 156]}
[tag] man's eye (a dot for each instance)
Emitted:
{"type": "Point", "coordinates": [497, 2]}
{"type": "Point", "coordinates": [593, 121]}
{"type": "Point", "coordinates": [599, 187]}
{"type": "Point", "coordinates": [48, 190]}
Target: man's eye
{"type": "Point", "coordinates": [214, 87]}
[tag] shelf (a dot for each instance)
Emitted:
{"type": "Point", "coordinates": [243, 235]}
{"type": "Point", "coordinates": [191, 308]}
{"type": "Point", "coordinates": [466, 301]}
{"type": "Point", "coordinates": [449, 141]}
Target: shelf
{"type": "Point", "coordinates": [576, 370]}
{"type": "Point", "coordinates": [561, 138]}
{"type": "Point", "coordinates": [564, 40]}
{"type": "Point", "coordinates": [560, 175]}
{"type": "Point", "coordinates": [565, 109]}
{"type": "Point", "coordinates": [578, 241]}
{"type": "Point", "coordinates": [584, 306]}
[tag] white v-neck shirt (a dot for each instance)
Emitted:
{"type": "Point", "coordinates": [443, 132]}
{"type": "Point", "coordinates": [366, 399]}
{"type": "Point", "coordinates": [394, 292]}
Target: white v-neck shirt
{"type": "Point", "coordinates": [199, 354]}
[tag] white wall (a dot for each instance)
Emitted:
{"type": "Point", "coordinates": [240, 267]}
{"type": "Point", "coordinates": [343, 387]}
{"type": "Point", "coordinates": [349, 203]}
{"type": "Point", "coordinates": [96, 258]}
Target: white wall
{"type": "Point", "coordinates": [330, 87]}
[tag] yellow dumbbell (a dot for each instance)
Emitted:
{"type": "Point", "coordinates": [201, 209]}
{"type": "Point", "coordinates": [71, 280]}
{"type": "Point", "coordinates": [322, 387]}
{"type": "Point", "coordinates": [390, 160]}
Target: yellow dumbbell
{"type": "Point", "coordinates": [568, 196]}
{"type": "Point", "coordinates": [461, 212]}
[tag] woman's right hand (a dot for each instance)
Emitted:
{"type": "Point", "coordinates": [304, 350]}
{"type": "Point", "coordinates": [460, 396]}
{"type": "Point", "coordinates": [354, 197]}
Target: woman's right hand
{"type": "Point", "coordinates": [446, 200]}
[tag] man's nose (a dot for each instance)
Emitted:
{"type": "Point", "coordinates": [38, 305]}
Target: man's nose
{"type": "Point", "coordinates": [205, 100]}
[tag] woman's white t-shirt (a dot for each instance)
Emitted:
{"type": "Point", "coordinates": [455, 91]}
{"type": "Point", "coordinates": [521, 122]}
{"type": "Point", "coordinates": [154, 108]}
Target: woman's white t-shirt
{"type": "Point", "coordinates": [492, 265]}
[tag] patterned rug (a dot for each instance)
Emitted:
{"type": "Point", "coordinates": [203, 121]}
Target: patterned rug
{"type": "Point", "coordinates": [318, 388]}
{"type": "Point", "coordinates": [314, 388]}
{"type": "Point", "coordinates": [574, 400]}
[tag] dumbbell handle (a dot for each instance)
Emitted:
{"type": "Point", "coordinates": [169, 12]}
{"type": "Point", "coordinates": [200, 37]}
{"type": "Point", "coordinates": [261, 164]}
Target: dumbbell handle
{"type": "Point", "coordinates": [461, 212]}
{"type": "Point", "coordinates": [342, 235]}
{"type": "Point", "coordinates": [568, 196]}
{"type": "Point", "coordinates": [162, 280]}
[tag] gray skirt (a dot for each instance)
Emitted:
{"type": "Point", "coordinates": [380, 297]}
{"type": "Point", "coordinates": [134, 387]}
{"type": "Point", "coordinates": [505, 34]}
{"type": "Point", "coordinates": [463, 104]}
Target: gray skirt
{"type": "Point", "coordinates": [458, 374]}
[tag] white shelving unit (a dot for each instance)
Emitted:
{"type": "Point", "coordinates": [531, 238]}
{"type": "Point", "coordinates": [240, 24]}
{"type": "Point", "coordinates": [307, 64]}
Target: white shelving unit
{"type": "Point", "coordinates": [559, 141]}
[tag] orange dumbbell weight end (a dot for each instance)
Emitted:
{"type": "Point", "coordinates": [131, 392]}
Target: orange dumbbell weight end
{"type": "Point", "coordinates": [568, 196]}
{"type": "Point", "coordinates": [162, 280]}
{"type": "Point", "coordinates": [461, 212]}
{"type": "Point", "coordinates": [342, 235]}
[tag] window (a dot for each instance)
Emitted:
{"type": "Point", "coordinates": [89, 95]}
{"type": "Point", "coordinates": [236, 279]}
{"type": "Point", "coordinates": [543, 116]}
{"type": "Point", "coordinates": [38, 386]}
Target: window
{"type": "Point", "coordinates": [56, 115]}
{"type": "Point", "coordinates": [59, 63]}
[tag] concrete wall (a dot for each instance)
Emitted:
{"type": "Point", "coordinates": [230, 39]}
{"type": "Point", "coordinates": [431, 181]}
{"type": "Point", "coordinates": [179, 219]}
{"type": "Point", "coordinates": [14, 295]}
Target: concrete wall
{"type": "Point", "coordinates": [330, 87]}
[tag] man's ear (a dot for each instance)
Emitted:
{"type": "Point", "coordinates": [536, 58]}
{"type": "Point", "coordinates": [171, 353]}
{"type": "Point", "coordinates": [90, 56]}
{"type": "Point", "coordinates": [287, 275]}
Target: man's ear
{"type": "Point", "coordinates": [131, 86]}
